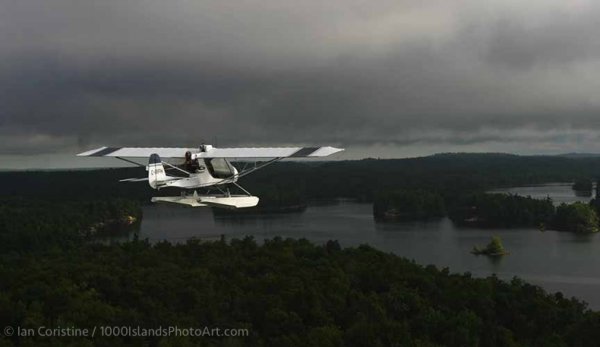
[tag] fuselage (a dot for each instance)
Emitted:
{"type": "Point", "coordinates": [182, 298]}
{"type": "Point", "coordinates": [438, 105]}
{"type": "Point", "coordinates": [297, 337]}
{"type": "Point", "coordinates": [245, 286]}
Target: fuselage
{"type": "Point", "coordinates": [202, 173]}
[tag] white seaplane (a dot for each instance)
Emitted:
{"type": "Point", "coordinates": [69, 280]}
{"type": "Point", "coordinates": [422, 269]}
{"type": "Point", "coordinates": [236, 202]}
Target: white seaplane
{"type": "Point", "coordinates": [205, 167]}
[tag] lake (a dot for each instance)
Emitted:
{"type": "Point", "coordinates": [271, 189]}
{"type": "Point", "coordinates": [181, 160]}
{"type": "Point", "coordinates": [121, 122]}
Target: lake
{"type": "Point", "coordinates": [557, 261]}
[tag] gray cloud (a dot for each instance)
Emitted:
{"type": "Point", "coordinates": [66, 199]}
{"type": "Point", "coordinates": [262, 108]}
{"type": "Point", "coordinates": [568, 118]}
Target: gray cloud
{"type": "Point", "coordinates": [398, 78]}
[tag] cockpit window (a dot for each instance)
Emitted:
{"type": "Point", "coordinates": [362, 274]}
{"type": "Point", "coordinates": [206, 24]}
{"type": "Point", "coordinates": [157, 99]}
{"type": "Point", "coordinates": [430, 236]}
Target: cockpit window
{"type": "Point", "coordinates": [219, 168]}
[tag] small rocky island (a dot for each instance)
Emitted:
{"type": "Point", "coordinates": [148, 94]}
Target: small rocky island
{"type": "Point", "coordinates": [493, 249]}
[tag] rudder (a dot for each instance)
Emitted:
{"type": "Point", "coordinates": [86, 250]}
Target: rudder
{"type": "Point", "coordinates": [156, 171]}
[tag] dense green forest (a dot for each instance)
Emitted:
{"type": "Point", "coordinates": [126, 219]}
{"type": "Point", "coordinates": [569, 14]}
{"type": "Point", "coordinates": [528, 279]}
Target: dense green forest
{"type": "Point", "coordinates": [285, 292]}
{"type": "Point", "coordinates": [408, 205]}
{"type": "Point", "coordinates": [502, 210]}
{"type": "Point", "coordinates": [509, 211]}
{"type": "Point", "coordinates": [583, 186]}
{"type": "Point", "coordinates": [36, 224]}
{"type": "Point", "coordinates": [576, 217]}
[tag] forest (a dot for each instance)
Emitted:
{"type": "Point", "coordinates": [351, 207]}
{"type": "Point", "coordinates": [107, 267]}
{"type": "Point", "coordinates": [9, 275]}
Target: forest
{"type": "Point", "coordinates": [578, 217]}
{"type": "Point", "coordinates": [29, 225]}
{"type": "Point", "coordinates": [406, 205]}
{"type": "Point", "coordinates": [583, 186]}
{"type": "Point", "coordinates": [424, 188]}
{"type": "Point", "coordinates": [286, 292]}
{"type": "Point", "coordinates": [502, 210]}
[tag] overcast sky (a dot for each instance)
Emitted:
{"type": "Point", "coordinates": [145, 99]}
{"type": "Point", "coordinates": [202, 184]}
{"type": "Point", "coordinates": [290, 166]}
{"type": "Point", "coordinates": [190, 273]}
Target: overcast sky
{"type": "Point", "coordinates": [380, 78]}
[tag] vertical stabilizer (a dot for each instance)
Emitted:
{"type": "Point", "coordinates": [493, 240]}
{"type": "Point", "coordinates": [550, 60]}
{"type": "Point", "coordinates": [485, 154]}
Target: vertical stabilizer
{"type": "Point", "coordinates": [156, 171]}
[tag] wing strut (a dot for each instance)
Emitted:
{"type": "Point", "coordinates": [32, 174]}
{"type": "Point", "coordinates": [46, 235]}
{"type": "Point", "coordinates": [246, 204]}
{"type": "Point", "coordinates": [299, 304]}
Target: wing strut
{"type": "Point", "coordinates": [176, 168]}
{"type": "Point", "coordinates": [257, 167]}
{"type": "Point", "coordinates": [244, 190]}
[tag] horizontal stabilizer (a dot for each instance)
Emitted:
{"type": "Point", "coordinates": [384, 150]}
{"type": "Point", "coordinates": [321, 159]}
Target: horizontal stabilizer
{"type": "Point", "coordinates": [143, 179]}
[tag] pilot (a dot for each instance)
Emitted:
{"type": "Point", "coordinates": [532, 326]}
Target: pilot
{"type": "Point", "coordinates": [190, 164]}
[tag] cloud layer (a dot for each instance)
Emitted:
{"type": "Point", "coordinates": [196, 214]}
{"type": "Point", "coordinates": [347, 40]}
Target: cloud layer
{"type": "Point", "coordinates": [387, 78]}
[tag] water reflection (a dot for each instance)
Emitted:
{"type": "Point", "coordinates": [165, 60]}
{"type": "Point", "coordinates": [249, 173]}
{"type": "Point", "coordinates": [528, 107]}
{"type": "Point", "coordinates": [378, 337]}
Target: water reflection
{"type": "Point", "coordinates": [583, 194]}
{"type": "Point", "coordinates": [495, 262]}
{"type": "Point", "coordinates": [581, 238]}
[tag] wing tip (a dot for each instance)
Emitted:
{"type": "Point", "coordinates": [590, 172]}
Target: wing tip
{"type": "Point", "coordinates": [326, 151]}
{"type": "Point", "coordinates": [99, 152]}
{"type": "Point", "coordinates": [91, 152]}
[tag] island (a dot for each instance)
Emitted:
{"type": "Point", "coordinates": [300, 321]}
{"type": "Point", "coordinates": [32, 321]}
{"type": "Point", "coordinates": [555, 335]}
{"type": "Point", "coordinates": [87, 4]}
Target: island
{"type": "Point", "coordinates": [408, 205]}
{"type": "Point", "coordinates": [583, 187]}
{"type": "Point", "coordinates": [485, 210]}
{"type": "Point", "coordinates": [499, 210]}
{"type": "Point", "coordinates": [578, 217]}
{"type": "Point", "coordinates": [493, 249]}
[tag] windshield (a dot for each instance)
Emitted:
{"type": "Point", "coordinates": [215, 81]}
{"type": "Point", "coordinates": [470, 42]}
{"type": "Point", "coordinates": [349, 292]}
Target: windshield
{"type": "Point", "coordinates": [219, 168]}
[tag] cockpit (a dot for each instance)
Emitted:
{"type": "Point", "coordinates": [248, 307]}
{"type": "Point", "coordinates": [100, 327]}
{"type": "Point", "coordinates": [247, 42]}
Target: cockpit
{"type": "Point", "coordinates": [219, 168]}
{"type": "Point", "coordinates": [190, 165]}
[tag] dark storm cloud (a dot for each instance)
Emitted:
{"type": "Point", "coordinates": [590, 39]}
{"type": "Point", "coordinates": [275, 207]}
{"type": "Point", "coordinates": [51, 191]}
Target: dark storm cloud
{"type": "Point", "coordinates": [436, 75]}
{"type": "Point", "coordinates": [559, 37]}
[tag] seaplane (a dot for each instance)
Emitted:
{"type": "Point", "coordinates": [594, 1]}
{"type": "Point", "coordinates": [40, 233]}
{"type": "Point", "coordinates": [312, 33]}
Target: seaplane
{"type": "Point", "coordinates": [207, 168]}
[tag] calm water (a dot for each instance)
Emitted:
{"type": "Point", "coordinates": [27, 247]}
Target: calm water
{"type": "Point", "coordinates": [558, 261]}
{"type": "Point", "coordinates": [559, 192]}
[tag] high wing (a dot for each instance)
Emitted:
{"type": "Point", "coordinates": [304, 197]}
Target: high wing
{"type": "Point", "coordinates": [212, 152]}
{"type": "Point", "coordinates": [268, 152]}
{"type": "Point", "coordinates": [137, 152]}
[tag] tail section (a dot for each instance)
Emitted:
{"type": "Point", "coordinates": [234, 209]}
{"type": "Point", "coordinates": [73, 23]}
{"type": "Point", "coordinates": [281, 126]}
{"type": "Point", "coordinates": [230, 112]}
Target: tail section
{"type": "Point", "coordinates": [156, 171]}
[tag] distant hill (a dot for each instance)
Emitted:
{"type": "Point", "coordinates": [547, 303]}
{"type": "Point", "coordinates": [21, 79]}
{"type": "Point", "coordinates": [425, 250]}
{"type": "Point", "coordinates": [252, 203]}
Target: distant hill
{"type": "Point", "coordinates": [579, 155]}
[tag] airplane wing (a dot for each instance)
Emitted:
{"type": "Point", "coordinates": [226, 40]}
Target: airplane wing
{"type": "Point", "coordinates": [268, 152]}
{"type": "Point", "coordinates": [211, 152]}
{"type": "Point", "coordinates": [137, 152]}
